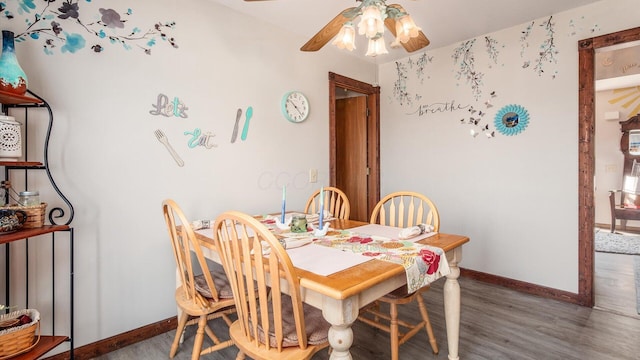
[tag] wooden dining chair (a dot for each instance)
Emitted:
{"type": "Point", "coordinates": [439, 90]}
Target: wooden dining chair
{"type": "Point", "coordinates": [201, 297]}
{"type": "Point", "coordinates": [273, 325]}
{"type": "Point", "coordinates": [335, 201]}
{"type": "Point", "coordinates": [402, 209]}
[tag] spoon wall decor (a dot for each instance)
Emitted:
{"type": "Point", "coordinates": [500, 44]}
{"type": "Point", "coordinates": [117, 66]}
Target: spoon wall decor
{"type": "Point", "coordinates": [245, 129]}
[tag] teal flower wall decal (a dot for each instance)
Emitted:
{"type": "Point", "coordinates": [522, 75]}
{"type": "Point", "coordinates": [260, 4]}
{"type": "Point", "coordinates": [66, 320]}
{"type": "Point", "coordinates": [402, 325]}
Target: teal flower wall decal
{"type": "Point", "coordinates": [511, 120]}
{"type": "Point", "coordinates": [70, 26]}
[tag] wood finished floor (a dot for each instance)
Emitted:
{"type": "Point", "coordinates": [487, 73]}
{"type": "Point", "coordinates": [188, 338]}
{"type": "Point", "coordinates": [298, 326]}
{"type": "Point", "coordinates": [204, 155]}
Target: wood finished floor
{"type": "Point", "coordinates": [614, 283]}
{"type": "Point", "coordinates": [497, 323]}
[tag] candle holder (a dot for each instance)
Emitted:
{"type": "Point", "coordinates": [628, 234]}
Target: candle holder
{"type": "Point", "coordinates": [320, 232]}
{"type": "Point", "coordinates": [283, 226]}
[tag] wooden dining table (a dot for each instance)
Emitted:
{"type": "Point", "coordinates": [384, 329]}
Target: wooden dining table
{"type": "Point", "coordinates": [341, 295]}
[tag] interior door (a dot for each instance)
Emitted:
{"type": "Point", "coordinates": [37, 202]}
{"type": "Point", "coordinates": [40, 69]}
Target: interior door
{"type": "Point", "coordinates": [354, 142]}
{"type": "Point", "coordinates": [351, 153]}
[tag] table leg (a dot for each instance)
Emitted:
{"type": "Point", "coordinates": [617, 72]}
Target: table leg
{"type": "Point", "coordinates": [340, 314]}
{"type": "Point", "coordinates": [452, 308]}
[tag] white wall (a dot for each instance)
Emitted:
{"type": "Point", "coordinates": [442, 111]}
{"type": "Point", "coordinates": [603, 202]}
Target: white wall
{"type": "Point", "coordinates": [107, 161]}
{"type": "Point", "coordinates": [514, 196]}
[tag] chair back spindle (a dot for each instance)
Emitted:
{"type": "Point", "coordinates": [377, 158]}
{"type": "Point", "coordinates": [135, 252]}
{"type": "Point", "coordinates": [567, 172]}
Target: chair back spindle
{"type": "Point", "coordinates": [335, 201]}
{"type": "Point", "coordinates": [405, 209]}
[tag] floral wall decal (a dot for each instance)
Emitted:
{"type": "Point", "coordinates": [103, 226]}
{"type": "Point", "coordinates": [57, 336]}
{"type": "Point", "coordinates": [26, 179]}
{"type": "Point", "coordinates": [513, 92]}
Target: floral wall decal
{"type": "Point", "coordinates": [64, 25]}
{"type": "Point", "coordinates": [576, 28]}
{"type": "Point", "coordinates": [492, 49]}
{"type": "Point", "coordinates": [463, 55]}
{"type": "Point", "coordinates": [548, 50]}
{"type": "Point", "coordinates": [400, 92]}
{"type": "Point", "coordinates": [400, 85]}
{"type": "Point", "coordinates": [421, 64]}
{"type": "Point", "coordinates": [524, 43]}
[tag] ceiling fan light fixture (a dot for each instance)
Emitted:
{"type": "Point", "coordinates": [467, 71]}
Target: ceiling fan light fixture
{"type": "Point", "coordinates": [406, 28]}
{"type": "Point", "coordinates": [346, 38]}
{"type": "Point", "coordinates": [371, 21]}
{"type": "Point", "coordinates": [376, 46]}
{"type": "Point", "coordinates": [375, 17]}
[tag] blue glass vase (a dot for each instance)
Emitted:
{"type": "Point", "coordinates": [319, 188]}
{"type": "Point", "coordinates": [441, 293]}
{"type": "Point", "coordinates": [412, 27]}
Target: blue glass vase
{"type": "Point", "coordinates": [12, 78]}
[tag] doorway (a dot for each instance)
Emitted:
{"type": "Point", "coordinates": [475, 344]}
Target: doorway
{"type": "Point", "coordinates": [586, 155]}
{"type": "Point", "coordinates": [354, 142]}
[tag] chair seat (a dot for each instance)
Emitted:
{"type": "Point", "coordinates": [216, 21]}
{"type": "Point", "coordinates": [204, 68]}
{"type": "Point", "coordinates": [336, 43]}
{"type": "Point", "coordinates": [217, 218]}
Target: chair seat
{"type": "Point", "coordinates": [317, 328]}
{"type": "Point", "coordinates": [627, 213]}
{"type": "Point", "coordinates": [220, 281]}
{"type": "Point", "coordinates": [290, 353]}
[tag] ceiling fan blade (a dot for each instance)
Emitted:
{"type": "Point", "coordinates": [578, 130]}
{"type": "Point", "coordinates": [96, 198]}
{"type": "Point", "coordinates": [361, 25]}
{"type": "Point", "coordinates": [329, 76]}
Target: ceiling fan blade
{"type": "Point", "coordinates": [415, 43]}
{"type": "Point", "coordinates": [327, 32]}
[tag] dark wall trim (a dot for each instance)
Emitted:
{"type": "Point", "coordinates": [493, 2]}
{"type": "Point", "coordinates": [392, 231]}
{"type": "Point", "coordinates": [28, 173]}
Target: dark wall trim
{"type": "Point", "coordinates": [522, 286]}
{"type": "Point", "coordinates": [119, 341]}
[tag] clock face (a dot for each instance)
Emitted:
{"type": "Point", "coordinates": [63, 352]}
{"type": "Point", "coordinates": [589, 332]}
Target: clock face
{"type": "Point", "coordinates": [295, 106]}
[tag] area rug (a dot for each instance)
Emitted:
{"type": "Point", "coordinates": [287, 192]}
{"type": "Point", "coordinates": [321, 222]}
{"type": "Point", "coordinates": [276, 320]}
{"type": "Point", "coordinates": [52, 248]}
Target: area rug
{"type": "Point", "coordinates": [606, 241]}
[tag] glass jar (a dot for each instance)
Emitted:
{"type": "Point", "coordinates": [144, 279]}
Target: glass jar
{"type": "Point", "coordinates": [29, 198]}
{"type": "Point", "coordinates": [299, 224]}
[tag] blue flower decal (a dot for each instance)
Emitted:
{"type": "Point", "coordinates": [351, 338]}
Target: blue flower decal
{"type": "Point", "coordinates": [51, 22]}
{"type": "Point", "coordinates": [74, 43]}
{"type": "Point", "coordinates": [511, 120]}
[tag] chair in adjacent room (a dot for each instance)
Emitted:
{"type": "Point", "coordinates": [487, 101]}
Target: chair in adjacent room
{"type": "Point", "coordinates": [402, 209]}
{"type": "Point", "coordinates": [273, 325]}
{"type": "Point", "coordinates": [335, 201]}
{"type": "Point", "coordinates": [200, 297]}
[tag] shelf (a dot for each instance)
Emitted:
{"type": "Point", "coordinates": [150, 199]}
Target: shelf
{"type": "Point", "coordinates": [27, 233]}
{"type": "Point", "coordinates": [22, 164]}
{"type": "Point", "coordinates": [12, 99]}
{"type": "Point", "coordinates": [46, 344]}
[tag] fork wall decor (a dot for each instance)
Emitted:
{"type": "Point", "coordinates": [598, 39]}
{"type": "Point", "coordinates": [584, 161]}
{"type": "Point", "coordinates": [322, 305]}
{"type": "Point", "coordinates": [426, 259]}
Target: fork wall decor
{"type": "Point", "coordinates": [165, 141]}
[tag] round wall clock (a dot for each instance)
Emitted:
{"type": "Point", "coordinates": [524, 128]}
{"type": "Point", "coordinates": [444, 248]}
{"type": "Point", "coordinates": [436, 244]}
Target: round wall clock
{"type": "Point", "coordinates": [295, 106]}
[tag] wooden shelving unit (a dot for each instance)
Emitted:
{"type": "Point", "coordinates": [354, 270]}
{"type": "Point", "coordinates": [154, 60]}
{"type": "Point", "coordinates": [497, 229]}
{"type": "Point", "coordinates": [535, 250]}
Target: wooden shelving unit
{"type": "Point", "coordinates": [28, 233]}
{"type": "Point", "coordinates": [47, 342]}
{"type": "Point", "coordinates": [13, 99]}
{"type": "Point", "coordinates": [25, 164]}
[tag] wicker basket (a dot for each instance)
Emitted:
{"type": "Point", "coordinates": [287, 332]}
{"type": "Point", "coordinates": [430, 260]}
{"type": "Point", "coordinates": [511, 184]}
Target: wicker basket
{"type": "Point", "coordinates": [35, 214]}
{"type": "Point", "coordinates": [19, 339]}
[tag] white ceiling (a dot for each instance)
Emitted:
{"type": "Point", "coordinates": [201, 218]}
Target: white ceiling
{"type": "Point", "coordinates": [444, 22]}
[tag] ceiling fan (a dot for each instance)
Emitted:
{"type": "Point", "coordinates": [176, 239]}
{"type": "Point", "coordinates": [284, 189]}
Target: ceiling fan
{"type": "Point", "coordinates": [373, 14]}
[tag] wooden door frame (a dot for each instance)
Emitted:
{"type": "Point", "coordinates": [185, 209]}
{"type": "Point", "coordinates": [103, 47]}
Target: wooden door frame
{"type": "Point", "coordinates": [373, 132]}
{"type": "Point", "coordinates": [586, 155]}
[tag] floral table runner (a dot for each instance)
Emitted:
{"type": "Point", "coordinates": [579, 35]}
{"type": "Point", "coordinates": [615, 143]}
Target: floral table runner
{"type": "Point", "coordinates": [423, 264]}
